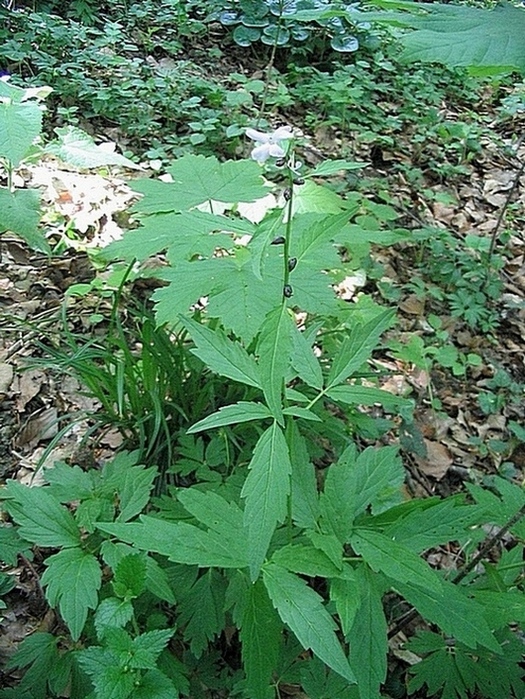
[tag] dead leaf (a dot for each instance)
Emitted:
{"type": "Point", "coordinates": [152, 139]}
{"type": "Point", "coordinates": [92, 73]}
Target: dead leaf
{"type": "Point", "coordinates": [6, 377]}
{"type": "Point", "coordinates": [437, 461]}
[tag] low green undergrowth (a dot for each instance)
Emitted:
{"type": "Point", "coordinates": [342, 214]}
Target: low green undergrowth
{"type": "Point", "coordinates": [281, 550]}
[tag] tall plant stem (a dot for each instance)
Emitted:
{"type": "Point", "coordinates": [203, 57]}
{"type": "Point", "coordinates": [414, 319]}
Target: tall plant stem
{"type": "Point", "coordinates": [269, 67]}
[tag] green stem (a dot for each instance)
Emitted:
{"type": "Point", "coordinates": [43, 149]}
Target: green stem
{"type": "Point", "coordinates": [288, 231]}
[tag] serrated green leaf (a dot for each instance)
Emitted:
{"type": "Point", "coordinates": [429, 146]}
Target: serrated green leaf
{"type": "Point", "coordinates": [304, 361]}
{"type": "Point", "coordinates": [130, 576]}
{"type": "Point", "coordinates": [38, 653]}
{"type": "Point", "coordinates": [456, 614]}
{"type": "Point", "coordinates": [222, 355]}
{"type": "Point", "coordinates": [201, 611]}
{"type": "Point", "coordinates": [313, 198]}
{"type": "Point", "coordinates": [304, 413]}
{"type": "Point", "coordinates": [20, 125]}
{"type": "Point", "coordinates": [154, 684]}
{"type": "Point", "coordinates": [397, 562]}
{"type": "Point", "coordinates": [131, 482]}
{"type": "Point", "coordinates": [469, 36]}
{"type": "Point", "coordinates": [303, 611]}
{"type": "Point", "coordinates": [367, 395]}
{"type": "Point", "coordinates": [260, 635]}
{"type": "Point", "coordinates": [20, 214]}
{"type": "Point", "coordinates": [111, 680]}
{"type": "Point", "coordinates": [212, 510]}
{"type": "Point", "coordinates": [243, 411]}
{"type": "Point", "coordinates": [304, 498]}
{"type": "Point", "coordinates": [112, 613]}
{"type": "Point", "coordinates": [182, 542]}
{"type": "Point", "coordinates": [357, 347]}
{"type": "Point", "coordinates": [76, 147]}
{"type": "Point", "coordinates": [157, 581]}
{"type": "Point", "coordinates": [368, 636]}
{"type": "Point", "coordinates": [274, 348]}
{"type": "Point", "coordinates": [332, 167]}
{"type": "Point", "coordinates": [197, 179]}
{"type": "Point", "coordinates": [266, 491]}
{"type": "Point", "coordinates": [345, 593]}
{"type": "Point", "coordinates": [68, 483]}
{"type": "Point", "coordinates": [72, 578]}
{"type": "Point", "coordinates": [41, 519]}
{"type": "Point", "coordinates": [308, 560]}
{"type": "Point", "coordinates": [11, 544]}
{"type": "Point", "coordinates": [148, 646]}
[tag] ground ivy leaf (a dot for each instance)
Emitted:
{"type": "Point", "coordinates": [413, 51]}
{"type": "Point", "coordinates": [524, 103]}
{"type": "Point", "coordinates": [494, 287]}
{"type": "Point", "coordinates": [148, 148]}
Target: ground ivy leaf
{"type": "Point", "coordinates": [260, 636]}
{"type": "Point", "coordinates": [266, 491]}
{"type": "Point", "coordinates": [41, 519]}
{"type": "Point", "coordinates": [368, 636]}
{"type": "Point", "coordinates": [148, 646]}
{"type": "Point", "coordinates": [154, 684]}
{"type": "Point", "coordinates": [303, 611]}
{"type": "Point", "coordinates": [274, 348]}
{"type": "Point", "coordinates": [72, 578]}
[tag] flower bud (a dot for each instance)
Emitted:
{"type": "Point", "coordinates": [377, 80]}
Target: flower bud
{"type": "Point", "coordinates": [280, 240]}
{"type": "Point", "coordinates": [287, 194]}
{"type": "Point", "coordinates": [292, 262]}
{"type": "Point", "coordinates": [287, 291]}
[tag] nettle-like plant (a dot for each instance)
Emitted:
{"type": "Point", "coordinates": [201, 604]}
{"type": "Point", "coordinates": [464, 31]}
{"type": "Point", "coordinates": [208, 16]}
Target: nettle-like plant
{"type": "Point", "coordinates": [284, 556]}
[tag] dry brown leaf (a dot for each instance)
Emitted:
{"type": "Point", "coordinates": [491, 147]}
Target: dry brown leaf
{"type": "Point", "coordinates": [437, 461]}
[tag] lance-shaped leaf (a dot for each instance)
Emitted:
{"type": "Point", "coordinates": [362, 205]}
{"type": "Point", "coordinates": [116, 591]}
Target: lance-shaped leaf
{"type": "Point", "coordinates": [304, 361]}
{"type": "Point", "coordinates": [357, 347]}
{"type": "Point", "coordinates": [222, 355]}
{"type": "Point", "coordinates": [260, 636]}
{"type": "Point", "coordinates": [305, 500]}
{"type": "Point", "coordinates": [184, 543]}
{"type": "Point", "coordinates": [266, 491]}
{"type": "Point", "coordinates": [274, 348]}
{"type": "Point", "coordinates": [40, 517]}
{"type": "Point", "coordinates": [368, 637]}
{"type": "Point", "coordinates": [397, 562]}
{"type": "Point", "coordinates": [303, 611]}
{"type": "Point", "coordinates": [243, 411]}
{"type": "Point", "coordinates": [73, 579]}
{"type": "Point", "coordinates": [367, 395]}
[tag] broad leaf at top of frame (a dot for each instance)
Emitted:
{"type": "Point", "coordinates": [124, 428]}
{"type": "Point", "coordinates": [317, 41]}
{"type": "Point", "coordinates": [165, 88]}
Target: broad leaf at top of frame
{"type": "Point", "coordinates": [198, 179]}
{"type": "Point", "coordinates": [76, 147]}
{"type": "Point", "coordinates": [303, 611]}
{"type": "Point", "coordinates": [266, 491]}
{"type": "Point", "coordinates": [489, 41]}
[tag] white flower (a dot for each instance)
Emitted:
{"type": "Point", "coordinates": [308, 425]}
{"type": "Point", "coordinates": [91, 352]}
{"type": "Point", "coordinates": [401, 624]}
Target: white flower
{"type": "Point", "coordinates": [269, 143]}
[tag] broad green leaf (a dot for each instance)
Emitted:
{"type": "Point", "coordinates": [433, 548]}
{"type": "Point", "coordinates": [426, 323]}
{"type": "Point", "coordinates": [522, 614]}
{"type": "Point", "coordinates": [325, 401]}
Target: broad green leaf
{"type": "Point", "coordinates": [132, 483]}
{"type": "Point", "coordinates": [20, 125]}
{"type": "Point", "coordinates": [355, 482]}
{"type": "Point", "coordinates": [367, 395]}
{"type": "Point", "coordinates": [68, 483]}
{"type": "Point", "coordinates": [148, 646]}
{"type": "Point", "coordinates": [11, 544]}
{"type": "Point", "coordinates": [41, 519]}
{"type": "Point", "coordinates": [332, 167]}
{"type": "Point", "coordinates": [453, 611]}
{"type": "Point", "coordinates": [183, 235]}
{"type": "Point", "coordinates": [460, 35]}
{"type": "Point", "coordinates": [303, 413]}
{"type": "Point", "coordinates": [20, 214]}
{"type": "Point", "coordinates": [154, 684]}
{"type": "Point", "coordinates": [243, 411]}
{"type": "Point", "coordinates": [314, 198]}
{"type": "Point", "coordinates": [38, 653]}
{"type": "Point", "coordinates": [72, 578]}
{"type": "Point", "coordinates": [274, 348]}
{"type": "Point", "coordinates": [266, 491]}
{"type": "Point", "coordinates": [212, 510]}
{"type": "Point", "coordinates": [308, 560]}
{"type": "Point", "coordinates": [394, 560]}
{"type": "Point", "coordinates": [222, 355]}
{"type": "Point", "coordinates": [305, 501]}
{"type": "Point", "coordinates": [303, 611]}
{"type": "Point", "coordinates": [368, 637]}
{"type": "Point", "coordinates": [260, 636]}
{"type": "Point", "coordinates": [130, 576]}
{"type": "Point", "coordinates": [110, 679]}
{"type": "Point", "coordinates": [201, 611]}
{"type": "Point", "coordinates": [319, 682]}
{"type": "Point", "coordinates": [157, 581]}
{"type": "Point", "coordinates": [312, 239]}
{"type": "Point", "coordinates": [112, 613]}
{"type": "Point", "coordinates": [346, 595]}
{"type": "Point", "coordinates": [76, 147]}
{"type": "Point", "coordinates": [357, 347]}
{"type": "Point", "coordinates": [197, 179]}
{"type": "Point", "coordinates": [304, 361]}
{"type": "Point", "coordinates": [182, 542]}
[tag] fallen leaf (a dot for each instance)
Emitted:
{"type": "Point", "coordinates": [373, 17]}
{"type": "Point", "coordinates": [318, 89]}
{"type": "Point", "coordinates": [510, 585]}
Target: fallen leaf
{"type": "Point", "coordinates": [437, 461]}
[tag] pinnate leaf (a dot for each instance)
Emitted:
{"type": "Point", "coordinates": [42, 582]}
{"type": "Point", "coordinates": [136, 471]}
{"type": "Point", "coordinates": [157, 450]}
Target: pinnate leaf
{"type": "Point", "coordinates": [266, 491]}
{"type": "Point", "coordinates": [303, 611]}
{"type": "Point", "coordinates": [73, 578]}
{"type": "Point", "coordinates": [274, 348]}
